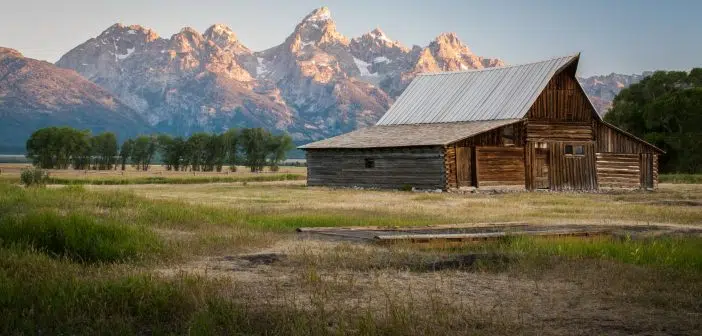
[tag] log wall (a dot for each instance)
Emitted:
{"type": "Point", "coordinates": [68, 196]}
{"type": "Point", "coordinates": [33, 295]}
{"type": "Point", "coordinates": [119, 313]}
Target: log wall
{"type": "Point", "coordinates": [616, 170]}
{"type": "Point", "coordinates": [612, 140]}
{"type": "Point", "coordinates": [498, 166]}
{"type": "Point", "coordinates": [419, 167]}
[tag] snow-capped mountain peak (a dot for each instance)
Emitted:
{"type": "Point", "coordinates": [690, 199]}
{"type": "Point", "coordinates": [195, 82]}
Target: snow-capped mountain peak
{"type": "Point", "coordinates": [319, 14]}
{"type": "Point", "coordinates": [221, 35]}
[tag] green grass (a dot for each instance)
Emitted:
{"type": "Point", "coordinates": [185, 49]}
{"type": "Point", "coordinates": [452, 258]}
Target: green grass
{"type": "Point", "coordinates": [681, 254]}
{"type": "Point", "coordinates": [72, 262]}
{"type": "Point", "coordinates": [680, 178]}
{"type": "Point", "coordinates": [78, 237]}
{"type": "Point", "coordinates": [176, 180]}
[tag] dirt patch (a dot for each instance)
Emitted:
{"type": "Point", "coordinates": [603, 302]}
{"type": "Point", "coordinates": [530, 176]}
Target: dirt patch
{"type": "Point", "coordinates": [465, 261]}
{"type": "Point", "coordinates": [257, 259]}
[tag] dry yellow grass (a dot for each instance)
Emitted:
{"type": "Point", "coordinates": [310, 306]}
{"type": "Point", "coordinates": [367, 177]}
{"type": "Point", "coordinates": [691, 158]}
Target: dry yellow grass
{"type": "Point", "coordinates": [670, 204]}
{"type": "Point", "coordinates": [13, 170]}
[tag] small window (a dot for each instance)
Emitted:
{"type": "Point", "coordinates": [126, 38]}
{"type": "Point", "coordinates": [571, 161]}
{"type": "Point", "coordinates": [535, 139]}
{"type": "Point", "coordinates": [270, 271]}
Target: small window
{"type": "Point", "coordinates": [574, 150]}
{"type": "Point", "coordinates": [370, 163]}
{"type": "Point", "coordinates": [569, 150]}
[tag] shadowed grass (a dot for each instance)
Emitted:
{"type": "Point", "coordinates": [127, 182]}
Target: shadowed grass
{"type": "Point", "coordinates": [78, 237]}
{"type": "Point", "coordinates": [680, 178]}
{"type": "Point", "coordinates": [681, 254]}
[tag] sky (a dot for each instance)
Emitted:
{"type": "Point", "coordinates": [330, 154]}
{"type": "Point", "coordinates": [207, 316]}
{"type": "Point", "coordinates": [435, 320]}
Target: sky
{"type": "Point", "coordinates": [623, 36]}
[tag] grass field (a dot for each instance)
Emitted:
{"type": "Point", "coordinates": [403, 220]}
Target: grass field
{"type": "Point", "coordinates": [157, 174]}
{"type": "Point", "coordinates": [224, 259]}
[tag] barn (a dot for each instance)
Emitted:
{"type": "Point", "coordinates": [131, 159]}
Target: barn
{"type": "Point", "coordinates": [527, 126]}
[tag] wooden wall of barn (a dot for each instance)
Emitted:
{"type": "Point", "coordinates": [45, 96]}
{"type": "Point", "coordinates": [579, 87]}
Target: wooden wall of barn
{"type": "Point", "coordinates": [499, 166]}
{"type": "Point", "coordinates": [461, 158]}
{"type": "Point", "coordinates": [562, 100]}
{"type": "Point", "coordinates": [612, 140]}
{"type": "Point", "coordinates": [394, 168]}
{"type": "Point", "coordinates": [619, 170]}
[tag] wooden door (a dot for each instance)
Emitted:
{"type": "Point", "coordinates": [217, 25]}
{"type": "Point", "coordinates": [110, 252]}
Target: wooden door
{"type": "Point", "coordinates": [464, 162]}
{"type": "Point", "coordinates": [541, 167]}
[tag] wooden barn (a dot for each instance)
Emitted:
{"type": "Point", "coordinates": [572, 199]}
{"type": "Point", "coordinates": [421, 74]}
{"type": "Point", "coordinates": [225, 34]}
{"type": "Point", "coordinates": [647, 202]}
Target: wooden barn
{"type": "Point", "coordinates": [529, 126]}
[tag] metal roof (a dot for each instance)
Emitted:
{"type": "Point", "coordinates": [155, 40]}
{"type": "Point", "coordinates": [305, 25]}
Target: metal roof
{"type": "Point", "coordinates": [384, 136]}
{"type": "Point", "coordinates": [488, 94]}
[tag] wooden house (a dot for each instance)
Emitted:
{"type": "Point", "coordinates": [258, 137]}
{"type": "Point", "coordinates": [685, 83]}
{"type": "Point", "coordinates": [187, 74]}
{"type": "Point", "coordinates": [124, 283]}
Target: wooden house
{"type": "Point", "coordinates": [529, 126]}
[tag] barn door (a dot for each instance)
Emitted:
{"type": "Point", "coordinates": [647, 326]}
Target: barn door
{"type": "Point", "coordinates": [463, 167]}
{"type": "Point", "coordinates": [541, 167]}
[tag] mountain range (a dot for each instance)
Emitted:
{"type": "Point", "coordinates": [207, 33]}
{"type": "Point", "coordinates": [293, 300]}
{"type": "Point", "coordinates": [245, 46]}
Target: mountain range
{"type": "Point", "coordinates": [317, 83]}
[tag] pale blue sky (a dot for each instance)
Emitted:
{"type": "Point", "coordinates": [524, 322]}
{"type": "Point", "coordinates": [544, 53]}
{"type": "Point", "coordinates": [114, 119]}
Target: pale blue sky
{"type": "Point", "coordinates": [624, 36]}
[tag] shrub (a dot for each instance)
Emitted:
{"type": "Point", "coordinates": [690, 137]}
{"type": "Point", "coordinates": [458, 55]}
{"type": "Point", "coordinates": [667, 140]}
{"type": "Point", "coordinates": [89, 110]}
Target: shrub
{"type": "Point", "coordinates": [77, 237]}
{"type": "Point", "coordinates": [34, 177]}
{"type": "Point", "coordinates": [274, 168]}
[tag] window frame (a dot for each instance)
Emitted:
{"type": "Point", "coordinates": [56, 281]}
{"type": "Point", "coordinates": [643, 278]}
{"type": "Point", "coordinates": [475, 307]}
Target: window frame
{"type": "Point", "coordinates": [576, 150]}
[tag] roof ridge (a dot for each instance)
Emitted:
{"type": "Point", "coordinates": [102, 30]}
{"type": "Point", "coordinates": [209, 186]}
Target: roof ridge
{"type": "Point", "coordinates": [495, 68]}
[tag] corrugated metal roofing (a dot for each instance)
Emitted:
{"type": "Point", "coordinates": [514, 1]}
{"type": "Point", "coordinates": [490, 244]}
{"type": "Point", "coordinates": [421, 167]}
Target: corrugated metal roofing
{"type": "Point", "coordinates": [409, 135]}
{"type": "Point", "coordinates": [488, 94]}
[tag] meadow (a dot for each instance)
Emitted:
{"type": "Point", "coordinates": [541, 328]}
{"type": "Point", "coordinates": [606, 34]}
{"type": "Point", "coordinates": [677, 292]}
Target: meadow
{"type": "Point", "coordinates": [224, 258]}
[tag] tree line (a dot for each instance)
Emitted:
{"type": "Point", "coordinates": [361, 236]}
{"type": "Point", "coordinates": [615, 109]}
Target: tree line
{"type": "Point", "coordinates": [665, 109]}
{"type": "Point", "coordinates": [64, 147]}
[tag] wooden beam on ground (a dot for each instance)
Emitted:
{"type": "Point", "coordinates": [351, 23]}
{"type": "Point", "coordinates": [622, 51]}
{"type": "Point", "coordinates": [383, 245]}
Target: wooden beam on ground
{"type": "Point", "coordinates": [486, 235]}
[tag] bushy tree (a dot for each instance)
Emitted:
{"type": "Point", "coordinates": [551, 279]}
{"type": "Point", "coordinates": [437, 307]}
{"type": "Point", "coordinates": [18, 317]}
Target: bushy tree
{"type": "Point", "coordinates": [143, 150]}
{"type": "Point", "coordinates": [172, 151]}
{"type": "Point", "coordinates": [104, 149]}
{"type": "Point", "coordinates": [196, 149]}
{"type": "Point", "coordinates": [254, 142]}
{"type": "Point", "coordinates": [125, 152]}
{"type": "Point", "coordinates": [278, 147]}
{"type": "Point", "coordinates": [231, 147]}
{"type": "Point", "coordinates": [57, 147]}
{"type": "Point", "coordinates": [666, 110]}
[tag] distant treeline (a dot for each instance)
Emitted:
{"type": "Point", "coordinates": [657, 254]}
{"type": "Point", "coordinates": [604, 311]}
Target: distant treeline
{"type": "Point", "coordinates": [666, 110]}
{"type": "Point", "coordinates": [64, 147]}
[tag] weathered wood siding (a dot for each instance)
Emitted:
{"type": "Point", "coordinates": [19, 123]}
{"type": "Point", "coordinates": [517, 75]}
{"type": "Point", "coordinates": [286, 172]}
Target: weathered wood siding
{"type": "Point", "coordinates": [572, 172]}
{"type": "Point", "coordinates": [617, 170]}
{"type": "Point", "coordinates": [420, 167]}
{"type": "Point", "coordinates": [450, 168]}
{"type": "Point", "coordinates": [558, 131]}
{"type": "Point", "coordinates": [612, 140]}
{"type": "Point", "coordinates": [562, 100]}
{"type": "Point", "coordinates": [460, 157]}
{"type": "Point", "coordinates": [497, 166]}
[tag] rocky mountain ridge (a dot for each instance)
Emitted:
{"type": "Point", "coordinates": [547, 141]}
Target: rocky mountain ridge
{"type": "Point", "coordinates": [35, 94]}
{"type": "Point", "coordinates": [315, 84]}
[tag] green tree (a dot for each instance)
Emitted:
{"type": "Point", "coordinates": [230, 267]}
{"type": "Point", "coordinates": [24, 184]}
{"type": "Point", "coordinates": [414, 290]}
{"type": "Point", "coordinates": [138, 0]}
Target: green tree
{"type": "Point", "coordinates": [143, 151]}
{"type": "Point", "coordinates": [666, 110]}
{"type": "Point", "coordinates": [104, 149]}
{"type": "Point", "coordinates": [278, 147]}
{"type": "Point", "coordinates": [197, 150]}
{"type": "Point", "coordinates": [125, 152]}
{"type": "Point", "coordinates": [40, 148]}
{"type": "Point", "coordinates": [172, 151]}
{"type": "Point", "coordinates": [231, 144]}
{"type": "Point", "coordinates": [254, 142]}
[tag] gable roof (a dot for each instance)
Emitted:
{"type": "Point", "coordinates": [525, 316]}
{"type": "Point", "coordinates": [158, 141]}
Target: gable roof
{"type": "Point", "coordinates": [385, 136]}
{"type": "Point", "coordinates": [487, 94]}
